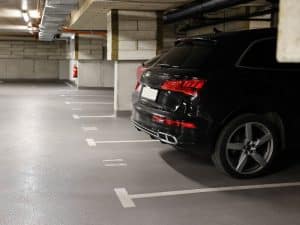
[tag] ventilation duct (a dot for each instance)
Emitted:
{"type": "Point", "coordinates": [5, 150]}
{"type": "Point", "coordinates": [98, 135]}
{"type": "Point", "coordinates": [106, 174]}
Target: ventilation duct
{"type": "Point", "coordinates": [54, 16]}
{"type": "Point", "coordinates": [202, 7]}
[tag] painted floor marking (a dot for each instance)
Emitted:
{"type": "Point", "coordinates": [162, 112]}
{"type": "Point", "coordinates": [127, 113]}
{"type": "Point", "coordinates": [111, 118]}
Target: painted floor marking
{"type": "Point", "coordinates": [93, 143]}
{"type": "Point", "coordinates": [127, 199]}
{"type": "Point", "coordinates": [115, 164]}
{"type": "Point", "coordinates": [68, 90]}
{"type": "Point", "coordinates": [86, 95]}
{"type": "Point", "coordinates": [90, 129]}
{"type": "Point", "coordinates": [76, 109]}
{"type": "Point", "coordinates": [124, 197]}
{"type": "Point", "coordinates": [89, 103]}
{"type": "Point", "coordinates": [68, 84]}
{"type": "Point", "coordinates": [77, 117]}
{"type": "Point", "coordinates": [113, 160]}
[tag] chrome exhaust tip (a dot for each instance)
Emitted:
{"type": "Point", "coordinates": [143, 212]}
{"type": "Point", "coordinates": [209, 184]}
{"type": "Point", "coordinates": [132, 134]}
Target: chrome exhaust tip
{"type": "Point", "coordinates": [167, 138]}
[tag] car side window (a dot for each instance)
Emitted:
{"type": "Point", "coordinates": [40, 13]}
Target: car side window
{"type": "Point", "coordinates": [262, 55]}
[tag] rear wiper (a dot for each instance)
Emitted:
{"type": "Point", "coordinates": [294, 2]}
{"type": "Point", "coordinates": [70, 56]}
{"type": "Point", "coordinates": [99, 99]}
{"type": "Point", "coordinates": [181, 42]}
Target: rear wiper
{"type": "Point", "coordinates": [167, 65]}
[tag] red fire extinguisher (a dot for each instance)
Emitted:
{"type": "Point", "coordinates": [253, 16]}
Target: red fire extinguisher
{"type": "Point", "coordinates": [75, 71]}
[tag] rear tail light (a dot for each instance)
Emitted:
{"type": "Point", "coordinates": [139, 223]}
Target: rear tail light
{"type": "Point", "coordinates": [176, 123]}
{"type": "Point", "coordinates": [139, 72]}
{"type": "Point", "coordinates": [188, 87]}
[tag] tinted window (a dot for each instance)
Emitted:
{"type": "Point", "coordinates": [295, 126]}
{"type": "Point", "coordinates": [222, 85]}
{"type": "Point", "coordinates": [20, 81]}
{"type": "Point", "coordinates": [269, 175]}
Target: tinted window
{"type": "Point", "coordinates": [262, 54]}
{"type": "Point", "coordinates": [190, 56]}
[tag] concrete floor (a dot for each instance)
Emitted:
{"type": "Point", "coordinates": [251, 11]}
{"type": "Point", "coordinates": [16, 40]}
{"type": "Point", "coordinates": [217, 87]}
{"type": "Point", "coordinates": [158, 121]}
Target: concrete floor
{"type": "Point", "coordinates": [50, 175]}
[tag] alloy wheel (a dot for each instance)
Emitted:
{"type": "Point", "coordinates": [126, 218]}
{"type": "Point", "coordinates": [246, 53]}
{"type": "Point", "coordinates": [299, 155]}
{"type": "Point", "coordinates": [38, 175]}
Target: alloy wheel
{"type": "Point", "coordinates": [249, 148]}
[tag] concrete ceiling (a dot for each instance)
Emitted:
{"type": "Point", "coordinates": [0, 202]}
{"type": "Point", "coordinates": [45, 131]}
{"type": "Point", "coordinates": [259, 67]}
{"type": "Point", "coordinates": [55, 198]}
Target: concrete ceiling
{"type": "Point", "coordinates": [91, 14]}
{"type": "Point", "coordinates": [11, 20]}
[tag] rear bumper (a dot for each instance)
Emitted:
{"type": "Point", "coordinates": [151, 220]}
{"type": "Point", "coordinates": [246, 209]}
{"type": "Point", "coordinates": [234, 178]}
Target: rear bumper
{"type": "Point", "coordinates": [142, 120]}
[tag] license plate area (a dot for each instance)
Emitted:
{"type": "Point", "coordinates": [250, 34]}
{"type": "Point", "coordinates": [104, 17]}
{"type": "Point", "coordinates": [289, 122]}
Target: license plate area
{"type": "Point", "coordinates": [149, 93]}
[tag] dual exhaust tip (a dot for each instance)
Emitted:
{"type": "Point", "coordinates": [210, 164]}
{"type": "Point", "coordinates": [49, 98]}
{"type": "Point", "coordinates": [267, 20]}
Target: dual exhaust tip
{"type": "Point", "coordinates": [167, 138]}
{"type": "Point", "coordinates": [161, 136]}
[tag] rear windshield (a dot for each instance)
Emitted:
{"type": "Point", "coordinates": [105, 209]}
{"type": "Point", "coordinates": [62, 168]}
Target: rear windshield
{"type": "Point", "coordinates": [189, 56]}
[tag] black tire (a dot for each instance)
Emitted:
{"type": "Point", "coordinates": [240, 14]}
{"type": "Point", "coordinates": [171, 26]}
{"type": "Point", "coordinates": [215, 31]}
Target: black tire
{"type": "Point", "coordinates": [225, 149]}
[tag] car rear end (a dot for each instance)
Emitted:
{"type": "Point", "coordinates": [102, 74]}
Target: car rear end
{"type": "Point", "coordinates": [168, 98]}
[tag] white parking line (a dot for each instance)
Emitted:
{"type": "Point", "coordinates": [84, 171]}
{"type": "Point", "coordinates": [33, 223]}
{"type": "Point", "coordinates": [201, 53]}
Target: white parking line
{"type": "Point", "coordinates": [76, 109]}
{"type": "Point", "coordinates": [77, 117]}
{"type": "Point", "coordinates": [87, 95]}
{"type": "Point", "coordinates": [127, 199]}
{"type": "Point", "coordinates": [113, 160]}
{"type": "Point", "coordinates": [89, 103]}
{"type": "Point", "coordinates": [68, 90]}
{"type": "Point", "coordinates": [93, 143]}
{"type": "Point", "coordinates": [86, 129]}
{"type": "Point", "coordinates": [115, 164]}
{"type": "Point", "coordinates": [124, 197]}
{"type": "Point", "coordinates": [68, 84]}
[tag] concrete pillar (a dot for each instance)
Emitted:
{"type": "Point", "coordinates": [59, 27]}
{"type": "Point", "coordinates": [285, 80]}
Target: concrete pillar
{"type": "Point", "coordinates": [93, 70]}
{"type": "Point", "coordinates": [288, 49]}
{"type": "Point", "coordinates": [132, 38]}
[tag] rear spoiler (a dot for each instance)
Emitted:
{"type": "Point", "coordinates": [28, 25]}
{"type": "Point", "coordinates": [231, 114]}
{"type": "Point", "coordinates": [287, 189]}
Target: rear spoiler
{"type": "Point", "coordinates": [197, 39]}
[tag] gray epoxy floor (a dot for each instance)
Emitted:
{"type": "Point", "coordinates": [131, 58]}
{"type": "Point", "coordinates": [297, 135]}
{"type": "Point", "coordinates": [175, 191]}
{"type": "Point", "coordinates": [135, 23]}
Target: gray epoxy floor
{"type": "Point", "coordinates": [49, 175]}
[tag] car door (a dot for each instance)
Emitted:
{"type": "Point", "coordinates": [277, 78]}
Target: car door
{"type": "Point", "coordinates": [277, 83]}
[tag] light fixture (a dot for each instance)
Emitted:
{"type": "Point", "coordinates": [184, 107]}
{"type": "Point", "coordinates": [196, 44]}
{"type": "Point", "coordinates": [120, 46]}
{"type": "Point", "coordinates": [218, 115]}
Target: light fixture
{"type": "Point", "coordinates": [24, 5]}
{"type": "Point", "coordinates": [26, 16]}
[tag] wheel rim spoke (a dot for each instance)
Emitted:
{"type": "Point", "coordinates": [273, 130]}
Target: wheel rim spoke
{"type": "Point", "coordinates": [264, 139]}
{"type": "Point", "coordinates": [235, 146]}
{"type": "Point", "coordinates": [259, 159]}
{"type": "Point", "coordinates": [248, 130]}
{"type": "Point", "coordinates": [249, 148]}
{"type": "Point", "coordinates": [242, 162]}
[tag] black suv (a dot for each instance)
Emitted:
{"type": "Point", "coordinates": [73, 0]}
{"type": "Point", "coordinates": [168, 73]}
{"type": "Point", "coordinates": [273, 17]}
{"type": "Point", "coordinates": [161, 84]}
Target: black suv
{"type": "Point", "coordinates": [225, 93]}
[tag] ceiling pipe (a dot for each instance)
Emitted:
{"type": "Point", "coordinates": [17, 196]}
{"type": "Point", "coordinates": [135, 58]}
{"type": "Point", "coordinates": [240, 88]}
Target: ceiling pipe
{"type": "Point", "coordinates": [215, 21]}
{"type": "Point", "coordinates": [204, 7]}
{"type": "Point", "coordinates": [86, 32]}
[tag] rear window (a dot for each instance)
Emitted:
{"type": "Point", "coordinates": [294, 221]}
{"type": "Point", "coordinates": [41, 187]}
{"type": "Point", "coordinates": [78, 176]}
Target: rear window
{"type": "Point", "coordinates": [190, 56]}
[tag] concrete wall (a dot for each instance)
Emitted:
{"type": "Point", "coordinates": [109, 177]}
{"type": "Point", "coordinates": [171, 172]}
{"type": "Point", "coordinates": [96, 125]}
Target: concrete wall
{"type": "Point", "coordinates": [33, 60]}
{"type": "Point", "coordinates": [95, 74]}
{"type": "Point", "coordinates": [64, 69]}
{"type": "Point", "coordinates": [90, 48]}
{"type": "Point", "coordinates": [93, 70]}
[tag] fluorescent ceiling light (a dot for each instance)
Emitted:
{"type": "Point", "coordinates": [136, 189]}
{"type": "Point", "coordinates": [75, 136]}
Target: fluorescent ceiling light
{"type": "Point", "coordinates": [24, 5]}
{"type": "Point", "coordinates": [26, 16]}
{"type": "Point", "coordinates": [10, 13]}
